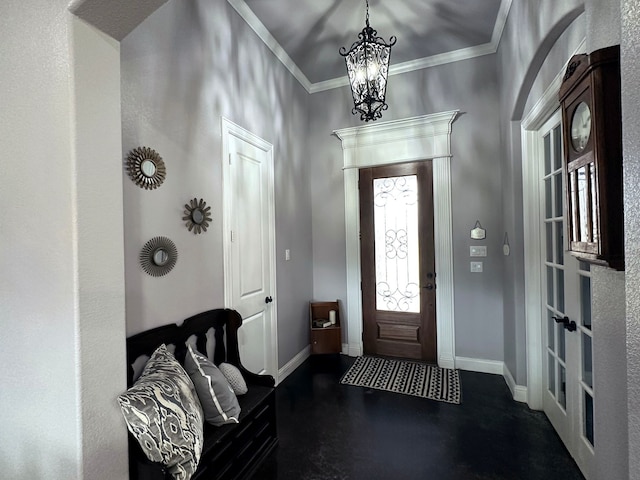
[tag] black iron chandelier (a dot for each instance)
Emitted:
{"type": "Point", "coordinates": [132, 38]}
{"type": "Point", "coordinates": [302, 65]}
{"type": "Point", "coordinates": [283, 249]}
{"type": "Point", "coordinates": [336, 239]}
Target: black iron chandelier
{"type": "Point", "coordinates": [368, 67]}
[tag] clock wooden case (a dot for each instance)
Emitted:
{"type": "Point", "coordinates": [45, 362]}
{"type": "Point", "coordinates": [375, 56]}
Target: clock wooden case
{"type": "Point", "coordinates": [592, 132]}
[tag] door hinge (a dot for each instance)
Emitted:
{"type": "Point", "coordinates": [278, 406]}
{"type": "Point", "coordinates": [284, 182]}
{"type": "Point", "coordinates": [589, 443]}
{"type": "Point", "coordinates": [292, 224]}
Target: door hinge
{"type": "Point", "coordinates": [232, 237]}
{"type": "Point", "coordinates": [229, 159]}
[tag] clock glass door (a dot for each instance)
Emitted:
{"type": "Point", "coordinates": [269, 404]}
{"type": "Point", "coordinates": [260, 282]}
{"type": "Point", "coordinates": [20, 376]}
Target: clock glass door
{"type": "Point", "coordinates": [567, 334]}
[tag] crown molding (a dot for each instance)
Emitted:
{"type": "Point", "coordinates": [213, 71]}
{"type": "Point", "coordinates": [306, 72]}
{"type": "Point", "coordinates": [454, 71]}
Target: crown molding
{"type": "Point", "coordinates": [257, 26]}
{"type": "Point", "coordinates": [440, 59]}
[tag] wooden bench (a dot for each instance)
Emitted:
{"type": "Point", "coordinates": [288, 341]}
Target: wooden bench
{"type": "Point", "coordinates": [230, 451]}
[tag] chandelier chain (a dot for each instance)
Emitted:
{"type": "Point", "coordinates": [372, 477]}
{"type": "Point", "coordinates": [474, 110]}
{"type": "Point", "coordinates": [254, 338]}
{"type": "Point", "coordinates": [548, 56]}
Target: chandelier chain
{"type": "Point", "coordinates": [367, 13]}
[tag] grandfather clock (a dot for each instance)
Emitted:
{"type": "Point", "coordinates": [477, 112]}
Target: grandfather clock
{"type": "Point", "coordinates": [592, 131]}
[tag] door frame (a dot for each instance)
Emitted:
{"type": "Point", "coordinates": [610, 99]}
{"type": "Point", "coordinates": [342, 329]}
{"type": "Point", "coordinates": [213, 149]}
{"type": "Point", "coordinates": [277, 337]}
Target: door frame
{"type": "Point", "coordinates": [532, 193]}
{"type": "Point", "coordinates": [426, 137]}
{"type": "Point", "coordinates": [231, 129]}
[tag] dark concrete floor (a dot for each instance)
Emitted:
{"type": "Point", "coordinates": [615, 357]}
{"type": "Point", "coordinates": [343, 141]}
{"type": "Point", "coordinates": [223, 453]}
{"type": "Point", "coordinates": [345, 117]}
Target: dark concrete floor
{"type": "Point", "coordinates": [332, 431]}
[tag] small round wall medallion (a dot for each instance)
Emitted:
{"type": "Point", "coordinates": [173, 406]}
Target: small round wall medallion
{"type": "Point", "coordinates": [197, 215]}
{"type": "Point", "coordinates": [146, 168]}
{"type": "Point", "coordinates": [158, 256]}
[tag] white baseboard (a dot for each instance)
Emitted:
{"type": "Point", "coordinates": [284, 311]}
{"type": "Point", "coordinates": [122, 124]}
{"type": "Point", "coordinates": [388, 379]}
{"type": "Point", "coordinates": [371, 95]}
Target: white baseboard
{"type": "Point", "coordinates": [495, 367]}
{"type": "Point", "coordinates": [294, 363]}
{"type": "Point", "coordinates": [352, 350]}
{"type": "Point", "coordinates": [519, 392]}
{"type": "Point", "coordinates": [446, 362]}
{"type": "Point", "coordinates": [479, 365]}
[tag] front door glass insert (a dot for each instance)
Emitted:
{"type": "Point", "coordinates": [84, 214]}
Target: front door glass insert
{"type": "Point", "coordinates": [395, 217]}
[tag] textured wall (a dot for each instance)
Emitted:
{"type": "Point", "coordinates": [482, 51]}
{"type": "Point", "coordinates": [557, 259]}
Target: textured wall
{"type": "Point", "coordinates": [183, 68]}
{"type": "Point", "coordinates": [37, 439]}
{"type": "Point", "coordinates": [471, 87]}
{"type": "Point", "coordinates": [630, 66]}
{"type": "Point", "coordinates": [62, 297]}
{"type": "Point", "coordinates": [609, 374]}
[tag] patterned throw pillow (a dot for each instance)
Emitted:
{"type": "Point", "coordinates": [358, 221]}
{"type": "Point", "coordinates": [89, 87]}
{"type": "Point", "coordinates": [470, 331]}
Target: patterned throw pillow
{"type": "Point", "coordinates": [218, 401]}
{"type": "Point", "coordinates": [234, 377]}
{"type": "Point", "coordinates": [163, 413]}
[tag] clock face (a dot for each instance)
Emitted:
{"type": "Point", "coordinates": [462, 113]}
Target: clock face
{"type": "Point", "coordinates": [580, 126]}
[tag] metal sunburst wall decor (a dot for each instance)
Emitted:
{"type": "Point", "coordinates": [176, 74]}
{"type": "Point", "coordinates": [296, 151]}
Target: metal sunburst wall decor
{"type": "Point", "coordinates": [197, 215]}
{"type": "Point", "coordinates": [158, 256]}
{"type": "Point", "coordinates": [146, 168]}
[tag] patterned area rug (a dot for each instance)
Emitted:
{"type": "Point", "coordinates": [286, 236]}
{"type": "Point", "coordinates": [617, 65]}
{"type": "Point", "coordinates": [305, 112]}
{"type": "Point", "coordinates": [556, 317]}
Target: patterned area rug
{"type": "Point", "coordinates": [401, 376]}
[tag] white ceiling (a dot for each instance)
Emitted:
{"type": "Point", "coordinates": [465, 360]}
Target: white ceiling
{"type": "Point", "coordinates": [307, 34]}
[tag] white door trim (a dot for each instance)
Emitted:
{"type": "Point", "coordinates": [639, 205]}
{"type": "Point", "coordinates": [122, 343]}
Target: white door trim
{"type": "Point", "coordinates": [531, 192]}
{"type": "Point", "coordinates": [426, 137]}
{"type": "Point", "coordinates": [231, 129]}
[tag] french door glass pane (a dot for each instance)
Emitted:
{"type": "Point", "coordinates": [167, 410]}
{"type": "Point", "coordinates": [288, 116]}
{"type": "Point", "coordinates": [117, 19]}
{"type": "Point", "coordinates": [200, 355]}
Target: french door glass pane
{"type": "Point", "coordinates": [588, 418]}
{"type": "Point", "coordinates": [395, 219]}
{"type": "Point", "coordinates": [558, 194]}
{"type": "Point", "coordinates": [557, 149]}
{"type": "Point", "coordinates": [561, 344]}
{"type": "Point", "coordinates": [559, 243]}
{"type": "Point", "coordinates": [548, 199]}
{"type": "Point", "coordinates": [585, 300]}
{"type": "Point", "coordinates": [551, 326]}
{"type": "Point", "coordinates": [560, 287]}
{"type": "Point", "coordinates": [562, 387]}
{"type": "Point", "coordinates": [585, 266]}
{"type": "Point", "coordinates": [549, 231]}
{"type": "Point", "coordinates": [552, 375]}
{"type": "Point", "coordinates": [547, 154]}
{"type": "Point", "coordinates": [587, 361]}
{"type": "Point", "coordinates": [550, 300]}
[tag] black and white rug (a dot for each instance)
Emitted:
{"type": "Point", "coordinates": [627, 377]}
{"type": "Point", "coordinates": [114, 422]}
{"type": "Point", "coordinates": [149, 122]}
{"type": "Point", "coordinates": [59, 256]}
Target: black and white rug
{"type": "Point", "coordinates": [402, 376]}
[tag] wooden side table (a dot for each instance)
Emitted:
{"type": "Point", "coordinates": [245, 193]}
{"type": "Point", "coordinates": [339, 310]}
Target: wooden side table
{"type": "Point", "coordinates": [325, 339]}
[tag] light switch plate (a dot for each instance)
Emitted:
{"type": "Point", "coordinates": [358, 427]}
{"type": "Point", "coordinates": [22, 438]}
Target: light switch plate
{"type": "Point", "coordinates": [287, 254]}
{"type": "Point", "coordinates": [478, 251]}
{"type": "Point", "coordinates": [476, 267]}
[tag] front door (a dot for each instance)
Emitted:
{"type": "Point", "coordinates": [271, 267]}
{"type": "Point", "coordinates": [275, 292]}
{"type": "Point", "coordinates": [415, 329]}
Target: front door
{"type": "Point", "coordinates": [568, 397]}
{"type": "Point", "coordinates": [398, 262]}
{"type": "Point", "coordinates": [250, 245]}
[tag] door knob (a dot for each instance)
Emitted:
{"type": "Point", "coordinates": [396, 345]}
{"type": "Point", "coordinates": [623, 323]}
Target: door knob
{"type": "Point", "coordinates": [566, 323]}
{"type": "Point", "coordinates": [268, 300]}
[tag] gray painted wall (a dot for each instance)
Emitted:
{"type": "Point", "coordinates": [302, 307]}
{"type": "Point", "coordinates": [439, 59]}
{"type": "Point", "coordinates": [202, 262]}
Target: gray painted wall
{"type": "Point", "coordinates": [182, 69]}
{"type": "Point", "coordinates": [476, 188]}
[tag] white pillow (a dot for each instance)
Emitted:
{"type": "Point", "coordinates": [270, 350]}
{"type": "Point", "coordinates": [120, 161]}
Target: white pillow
{"type": "Point", "coordinates": [234, 377]}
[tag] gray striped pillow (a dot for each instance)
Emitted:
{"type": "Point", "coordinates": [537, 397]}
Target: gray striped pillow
{"type": "Point", "coordinates": [218, 401]}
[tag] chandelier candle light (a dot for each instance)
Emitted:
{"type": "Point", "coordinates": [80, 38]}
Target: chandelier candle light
{"type": "Point", "coordinates": [368, 66]}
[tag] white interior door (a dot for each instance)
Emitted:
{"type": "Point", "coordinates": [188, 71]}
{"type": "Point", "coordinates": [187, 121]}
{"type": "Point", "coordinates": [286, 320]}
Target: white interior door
{"type": "Point", "coordinates": [250, 245]}
{"type": "Point", "coordinates": [567, 334]}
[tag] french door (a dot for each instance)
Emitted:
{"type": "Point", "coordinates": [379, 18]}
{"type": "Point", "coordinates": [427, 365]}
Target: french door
{"type": "Point", "coordinates": [568, 397]}
{"type": "Point", "coordinates": [398, 262]}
